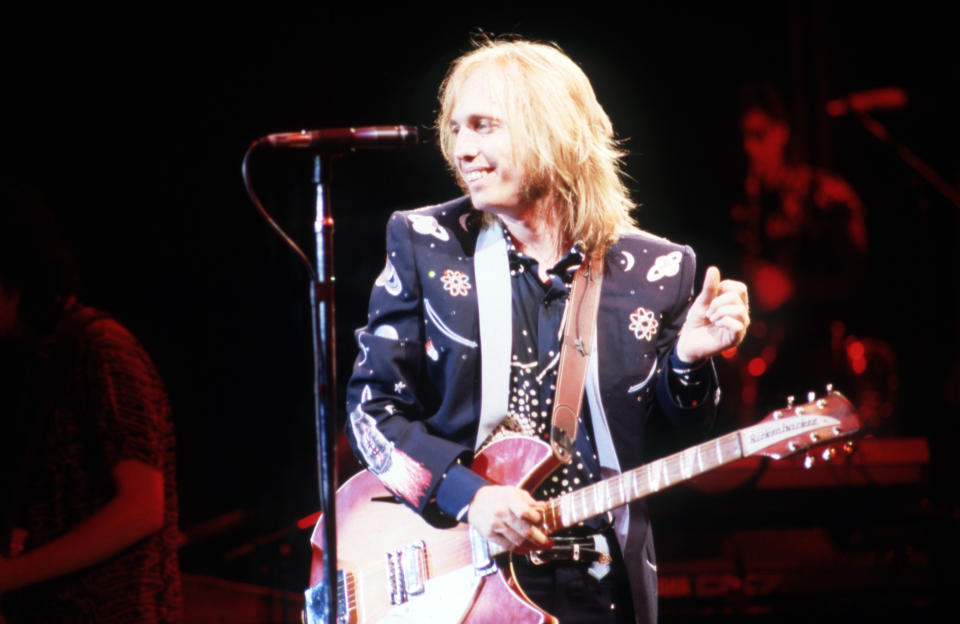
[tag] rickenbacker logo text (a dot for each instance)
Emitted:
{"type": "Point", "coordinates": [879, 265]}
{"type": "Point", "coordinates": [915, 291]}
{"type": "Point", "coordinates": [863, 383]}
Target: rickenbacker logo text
{"type": "Point", "coordinates": [767, 433]}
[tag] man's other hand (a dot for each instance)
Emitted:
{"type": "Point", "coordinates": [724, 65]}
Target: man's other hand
{"type": "Point", "coordinates": [509, 517]}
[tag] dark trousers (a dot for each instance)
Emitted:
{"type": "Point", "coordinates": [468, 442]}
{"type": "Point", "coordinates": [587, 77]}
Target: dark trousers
{"type": "Point", "coordinates": [567, 591]}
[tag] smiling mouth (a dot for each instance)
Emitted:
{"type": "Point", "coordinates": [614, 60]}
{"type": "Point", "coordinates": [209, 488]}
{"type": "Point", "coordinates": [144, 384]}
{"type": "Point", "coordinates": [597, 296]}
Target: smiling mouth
{"type": "Point", "coordinates": [473, 176]}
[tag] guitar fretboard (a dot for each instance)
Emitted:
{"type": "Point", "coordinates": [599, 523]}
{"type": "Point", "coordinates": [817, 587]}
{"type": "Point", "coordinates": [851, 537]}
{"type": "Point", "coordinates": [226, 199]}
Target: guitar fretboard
{"type": "Point", "coordinates": [598, 498]}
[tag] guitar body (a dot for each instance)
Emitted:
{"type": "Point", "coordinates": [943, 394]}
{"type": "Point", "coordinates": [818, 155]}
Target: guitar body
{"type": "Point", "coordinates": [371, 524]}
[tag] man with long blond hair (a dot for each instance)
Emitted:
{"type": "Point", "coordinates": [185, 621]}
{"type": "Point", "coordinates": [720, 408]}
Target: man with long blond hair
{"type": "Point", "coordinates": [463, 337]}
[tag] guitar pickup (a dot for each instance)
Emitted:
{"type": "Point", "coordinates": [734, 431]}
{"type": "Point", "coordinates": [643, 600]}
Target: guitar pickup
{"type": "Point", "coordinates": [414, 561]}
{"type": "Point", "coordinates": [407, 572]}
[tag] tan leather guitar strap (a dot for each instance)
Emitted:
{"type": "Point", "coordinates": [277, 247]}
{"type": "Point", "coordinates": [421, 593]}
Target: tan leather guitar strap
{"type": "Point", "coordinates": [579, 324]}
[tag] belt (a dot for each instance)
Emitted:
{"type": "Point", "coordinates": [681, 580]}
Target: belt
{"type": "Point", "coordinates": [592, 550]}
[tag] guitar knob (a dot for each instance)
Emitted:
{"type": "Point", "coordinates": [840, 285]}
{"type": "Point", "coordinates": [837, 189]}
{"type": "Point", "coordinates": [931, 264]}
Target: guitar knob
{"type": "Point", "coordinates": [828, 453]}
{"type": "Point", "coordinates": [808, 461]}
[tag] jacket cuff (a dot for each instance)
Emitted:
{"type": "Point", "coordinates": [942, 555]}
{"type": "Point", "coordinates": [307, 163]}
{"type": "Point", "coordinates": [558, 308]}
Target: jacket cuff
{"type": "Point", "coordinates": [689, 383]}
{"type": "Point", "coordinates": [457, 489]}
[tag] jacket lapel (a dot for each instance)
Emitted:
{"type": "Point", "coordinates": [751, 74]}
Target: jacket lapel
{"type": "Point", "coordinates": [492, 272]}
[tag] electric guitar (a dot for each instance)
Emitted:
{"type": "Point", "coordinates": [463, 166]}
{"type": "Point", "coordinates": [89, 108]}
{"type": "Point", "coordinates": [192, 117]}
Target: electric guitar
{"type": "Point", "coordinates": [394, 567]}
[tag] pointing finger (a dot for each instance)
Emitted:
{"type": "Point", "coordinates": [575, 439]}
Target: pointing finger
{"type": "Point", "coordinates": [711, 286]}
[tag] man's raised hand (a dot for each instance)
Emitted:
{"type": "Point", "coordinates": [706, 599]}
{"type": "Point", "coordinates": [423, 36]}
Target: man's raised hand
{"type": "Point", "coordinates": [717, 320]}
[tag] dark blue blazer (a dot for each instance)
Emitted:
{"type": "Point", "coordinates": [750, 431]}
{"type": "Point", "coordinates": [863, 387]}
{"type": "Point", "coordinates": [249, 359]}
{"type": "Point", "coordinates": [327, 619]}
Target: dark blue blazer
{"type": "Point", "coordinates": [434, 358]}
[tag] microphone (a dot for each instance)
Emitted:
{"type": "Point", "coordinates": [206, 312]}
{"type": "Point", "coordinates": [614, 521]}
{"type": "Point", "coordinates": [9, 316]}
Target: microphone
{"type": "Point", "coordinates": [337, 140]}
{"type": "Point", "coordinates": [886, 98]}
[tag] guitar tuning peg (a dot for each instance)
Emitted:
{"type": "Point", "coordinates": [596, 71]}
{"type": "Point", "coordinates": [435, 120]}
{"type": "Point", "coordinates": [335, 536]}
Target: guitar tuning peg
{"type": "Point", "coordinates": [808, 461]}
{"type": "Point", "coordinates": [811, 396]}
{"type": "Point", "coordinates": [848, 447]}
{"type": "Point", "coordinates": [828, 453]}
{"type": "Point", "coordinates": [790, 401]}
{"type": "Point", "coordinates": [829, 388]}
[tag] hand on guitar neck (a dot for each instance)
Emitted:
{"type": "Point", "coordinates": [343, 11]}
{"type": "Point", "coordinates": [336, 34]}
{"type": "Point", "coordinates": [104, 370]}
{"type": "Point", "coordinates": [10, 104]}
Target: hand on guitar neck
{"type": "Point", "coordinates": [509, 517]}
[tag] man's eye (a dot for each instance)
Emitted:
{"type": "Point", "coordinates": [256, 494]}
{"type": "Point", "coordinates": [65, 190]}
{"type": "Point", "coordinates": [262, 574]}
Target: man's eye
{"type": "Point", "coordinates": [454, 128]}
{"type": "Point", "coordinates": [484, 125]}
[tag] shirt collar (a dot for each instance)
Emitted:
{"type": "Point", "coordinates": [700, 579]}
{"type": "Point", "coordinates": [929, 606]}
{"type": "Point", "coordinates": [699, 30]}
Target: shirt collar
{"type": "Point", "coordinates": [565, 267]}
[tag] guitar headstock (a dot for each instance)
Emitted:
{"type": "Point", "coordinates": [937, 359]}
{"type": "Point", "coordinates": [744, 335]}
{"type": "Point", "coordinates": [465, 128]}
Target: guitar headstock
{"type": "Point", "coordinates": [796, 428]}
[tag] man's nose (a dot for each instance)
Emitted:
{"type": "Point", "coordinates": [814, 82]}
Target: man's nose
{"type": "Point", "coordinates": [465, 146]}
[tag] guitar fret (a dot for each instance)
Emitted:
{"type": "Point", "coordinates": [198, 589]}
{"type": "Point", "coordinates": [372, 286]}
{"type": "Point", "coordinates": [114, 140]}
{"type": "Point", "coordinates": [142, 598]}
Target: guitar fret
{"type": "Point", "coordinates": [685, 466]}
{"type": "Point", "coordinates": [653, 476]}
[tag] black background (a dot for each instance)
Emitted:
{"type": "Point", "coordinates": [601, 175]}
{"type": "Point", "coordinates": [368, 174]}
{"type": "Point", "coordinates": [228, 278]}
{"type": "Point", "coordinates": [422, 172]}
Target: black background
{"type": "Point", "coordinates": [133, 122]}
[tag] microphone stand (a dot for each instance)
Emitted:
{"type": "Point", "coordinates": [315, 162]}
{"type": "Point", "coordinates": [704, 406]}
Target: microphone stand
{"type": "Point", "coordinates": [878, 130]}
{"type": "Point", "coordinates": [325, 375]}
{"type": "Point", "coordinates": [329, 143]}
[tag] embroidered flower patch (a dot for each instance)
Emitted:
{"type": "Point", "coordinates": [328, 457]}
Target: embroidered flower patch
{"type": "Point", "coordinates": [456, 283]}
{"type": "Point", "coordinates": [643, 324]}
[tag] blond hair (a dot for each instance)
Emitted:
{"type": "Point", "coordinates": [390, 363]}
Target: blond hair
{"type": "Point", "coordinates": [562, 137]}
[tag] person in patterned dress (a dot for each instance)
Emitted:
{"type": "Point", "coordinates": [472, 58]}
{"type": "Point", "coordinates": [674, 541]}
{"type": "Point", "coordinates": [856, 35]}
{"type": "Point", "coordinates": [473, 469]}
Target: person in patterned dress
{"type": "Point", "coordinates": [463, 336]}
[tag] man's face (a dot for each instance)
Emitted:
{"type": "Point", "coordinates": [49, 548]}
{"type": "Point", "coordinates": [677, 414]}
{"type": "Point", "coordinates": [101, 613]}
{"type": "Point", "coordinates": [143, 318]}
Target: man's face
{"type": "Point", "coordinates": [764, 139]}
{"type": "Point", "coordinates": [483, 150]}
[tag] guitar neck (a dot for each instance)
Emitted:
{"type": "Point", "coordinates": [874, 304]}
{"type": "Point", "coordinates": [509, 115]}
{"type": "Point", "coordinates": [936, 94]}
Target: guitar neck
{"type": "Point", "coordinates": [580, 505]}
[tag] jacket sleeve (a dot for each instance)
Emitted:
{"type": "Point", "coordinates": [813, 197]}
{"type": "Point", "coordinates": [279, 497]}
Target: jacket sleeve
{"type": "Point", "coordinates": [388, 395]}
{"type": "Point", "coordinates": [691, 399]}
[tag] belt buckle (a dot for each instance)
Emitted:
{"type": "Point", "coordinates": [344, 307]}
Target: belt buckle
{"type": "Point", "coordinates": [601, 567]}
{"type": "Point", "coordinates": [577, 550]}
